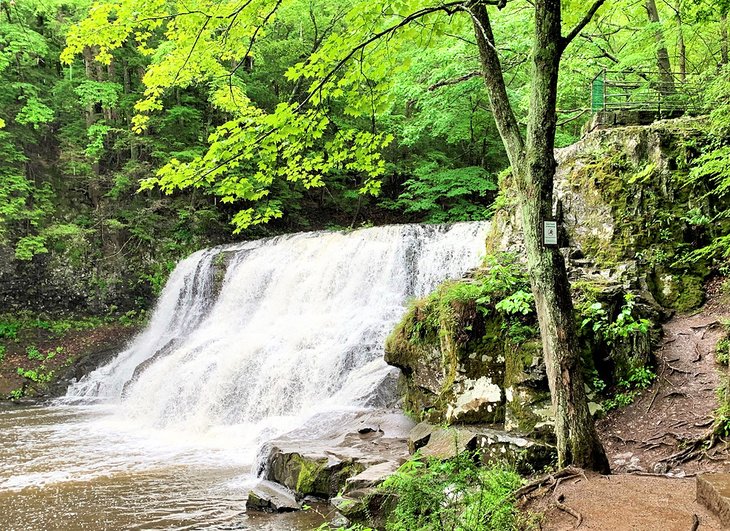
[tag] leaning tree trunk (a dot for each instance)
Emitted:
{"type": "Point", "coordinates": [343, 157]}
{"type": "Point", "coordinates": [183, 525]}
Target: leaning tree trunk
{"type": "Point", "coordinates": [578, 441]}
{"type": "Point", "coordinates": [533, 165]}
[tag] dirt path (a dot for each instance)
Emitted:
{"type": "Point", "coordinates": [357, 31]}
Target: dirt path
{"type": "Point", "coordinates": [627, 502]}
{"type": "Point", "coordinates": [651, 490]}
{"type": "Point", "coordinates": [678, 408]}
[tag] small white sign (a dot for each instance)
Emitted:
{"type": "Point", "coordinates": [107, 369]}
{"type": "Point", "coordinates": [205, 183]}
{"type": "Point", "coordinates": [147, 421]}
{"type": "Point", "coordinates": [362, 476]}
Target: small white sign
{"type": "Point", "coordinates": [550, 233]}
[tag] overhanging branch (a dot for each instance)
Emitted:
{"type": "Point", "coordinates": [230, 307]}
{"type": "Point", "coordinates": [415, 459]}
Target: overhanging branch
{"type": "Point", "coordinates": [565, 41]}
{"type": "Point", "coordinates": [449, 7]}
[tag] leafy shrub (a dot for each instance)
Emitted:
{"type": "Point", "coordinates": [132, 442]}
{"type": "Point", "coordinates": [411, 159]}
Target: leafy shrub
{"type": "Point", "coordinates": [501, 286]}
{"type": "Point", "coordinates": [34, 354]}
{"type": "Point", "coordinates": [448, 194]}
{"type": "Point", "coordinates": [625, 325]}
{"type": "Point", "coordinates": [639, 378]}
{"type": "Point", "coordinates": [38, 375]}
{"type": "Point", "coordinates": [8, 329]}
{"type": "Point", "coordinates": [455, 494]}
{"type": "Point", "coordinates": [711, 174]}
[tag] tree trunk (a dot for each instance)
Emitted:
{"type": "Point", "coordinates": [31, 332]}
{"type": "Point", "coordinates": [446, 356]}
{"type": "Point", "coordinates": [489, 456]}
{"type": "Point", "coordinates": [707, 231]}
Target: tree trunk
{"type": "Point", "coordinates": [724, 39]}
{"type": "Point", "coordinates": [666, 80]}
{"type": "Point", "coordinates": [681, 47]}
{"type": "Point", "coordinates": [533, 165]}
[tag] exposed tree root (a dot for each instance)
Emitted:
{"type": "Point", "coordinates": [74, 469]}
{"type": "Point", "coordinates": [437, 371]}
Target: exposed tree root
{"type": "Point", "coordinates": [698, 355]}
{"type": "Point", "coordinates": [550, 480]}
{"type": "Point", "coordinates": [694, 450]}
{"type": "Point", "coordinates": [572, 512]}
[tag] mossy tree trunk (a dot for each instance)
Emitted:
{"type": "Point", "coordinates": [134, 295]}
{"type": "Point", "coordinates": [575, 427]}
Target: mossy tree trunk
{"type": "Point", "coordinates": [533, 167]}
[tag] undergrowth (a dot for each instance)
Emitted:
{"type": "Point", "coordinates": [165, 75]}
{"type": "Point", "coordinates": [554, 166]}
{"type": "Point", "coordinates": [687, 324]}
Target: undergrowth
{"type": "Point", "coordinates": [456, 494]}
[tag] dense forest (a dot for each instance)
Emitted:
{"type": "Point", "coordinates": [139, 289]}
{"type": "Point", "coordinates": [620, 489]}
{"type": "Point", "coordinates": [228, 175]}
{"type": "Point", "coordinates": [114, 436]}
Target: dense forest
{"type": "Point", "coordinates": [134, 133]}
{"type": "Point", "coordinates": [116, 151]}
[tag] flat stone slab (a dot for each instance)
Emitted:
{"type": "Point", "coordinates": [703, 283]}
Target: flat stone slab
{"type": "Point", "coordinates": [271, 497]}
{"type": "Point", "coordinates": [447, 443]}
{"type": "Point", "coordinates": [372, 476]}
{"type": "Point", "coordinates": [319, 457]}
{"type": "Point", "coordinates": [713, 491]}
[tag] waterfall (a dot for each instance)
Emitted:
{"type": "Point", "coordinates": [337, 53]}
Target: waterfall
{"type": "Point", "coordinates": [252, 333]}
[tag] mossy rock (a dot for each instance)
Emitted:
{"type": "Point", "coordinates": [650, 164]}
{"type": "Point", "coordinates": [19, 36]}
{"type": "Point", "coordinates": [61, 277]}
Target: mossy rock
{"type": "Point", "coordinates": [445, 350]}
{"type": "Point", "coordinates": [681, 292]}
{"type": "Point", "coordinates": [314, 475]}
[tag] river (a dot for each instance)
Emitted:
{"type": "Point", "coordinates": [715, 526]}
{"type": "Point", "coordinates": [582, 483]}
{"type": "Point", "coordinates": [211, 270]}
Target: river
{"type": "Point", "coordinates": [247, 342]}
{"type": "Point", "coordinates": [72, 468]}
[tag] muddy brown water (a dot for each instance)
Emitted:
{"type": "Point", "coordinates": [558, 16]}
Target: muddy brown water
{"type": "Point", "coordinates": [74, 468]}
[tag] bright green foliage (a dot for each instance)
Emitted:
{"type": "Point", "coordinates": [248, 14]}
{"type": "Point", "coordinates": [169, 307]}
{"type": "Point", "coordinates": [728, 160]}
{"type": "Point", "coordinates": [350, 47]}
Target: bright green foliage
{"type": "Point", "coordinates": [456, 494]}
{"type": "Point", "coordinates": [625, 325]}
{"type": "Point", "coordinates": [253, 147]}
{"type": "Point", "coordinates": [38, 375]}
{"type": "Point", "coordinates": [500, 287]}
{"type": "Point", "coordinates": [29, 246]}
{"type": "Point", "coordinates": [34, 354]}
{"type": "Point", "coordinates": [627, 390]}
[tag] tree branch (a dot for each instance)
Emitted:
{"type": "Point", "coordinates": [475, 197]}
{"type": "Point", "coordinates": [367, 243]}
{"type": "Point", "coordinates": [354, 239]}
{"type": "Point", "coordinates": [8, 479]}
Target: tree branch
{"type": "Point", "coordinates": [454, 81]}
{"type": "Point", "coordinates": [192, 48]}
{"type": "Point", "coordinates": [565, 41]}
{"type": "Point", "coordinates": [449, 7]}
{"type": "Point", "coordinates": [253, 40]}
{"type": "Point", "coordinates": [492, 73]}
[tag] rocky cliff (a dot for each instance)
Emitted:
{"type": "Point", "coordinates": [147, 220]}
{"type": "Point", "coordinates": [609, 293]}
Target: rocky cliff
{"type": "Point", "coordinates": [471, 352]}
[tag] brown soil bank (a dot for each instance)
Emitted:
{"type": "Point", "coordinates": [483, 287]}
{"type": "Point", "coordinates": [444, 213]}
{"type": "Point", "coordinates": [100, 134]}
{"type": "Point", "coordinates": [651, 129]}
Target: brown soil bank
{"type": "Point", "coordinates": [49, 362]}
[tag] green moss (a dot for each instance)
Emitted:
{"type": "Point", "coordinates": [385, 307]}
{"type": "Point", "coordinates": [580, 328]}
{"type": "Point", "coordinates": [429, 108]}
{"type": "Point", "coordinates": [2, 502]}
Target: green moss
{"type": "Point", "coordinates": [309, 477]}
{"type": "Point", "coordinates": [680, 291]}
{"type": "Point", "coordinates": [649, 198]}
{"type": "Point", "coordinates": [315, 476]}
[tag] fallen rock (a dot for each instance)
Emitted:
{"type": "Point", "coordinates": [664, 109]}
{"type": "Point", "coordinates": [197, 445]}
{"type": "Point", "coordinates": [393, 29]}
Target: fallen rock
{"type": "Point", "coordinates": [271, 497]}
{"type": "Point", "coordinates": [372, 476]}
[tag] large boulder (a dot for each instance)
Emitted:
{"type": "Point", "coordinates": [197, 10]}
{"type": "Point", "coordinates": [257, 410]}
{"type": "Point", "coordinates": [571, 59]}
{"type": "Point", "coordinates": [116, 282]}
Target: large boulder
{"type": "Point", "coordinates": [623, 203]}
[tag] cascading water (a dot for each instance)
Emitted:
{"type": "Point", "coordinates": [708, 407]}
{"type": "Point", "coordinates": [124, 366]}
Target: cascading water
{"type": "Point", "coordinates": [298, 323]}
{"type": "Point", "coordinates": [247, 341]}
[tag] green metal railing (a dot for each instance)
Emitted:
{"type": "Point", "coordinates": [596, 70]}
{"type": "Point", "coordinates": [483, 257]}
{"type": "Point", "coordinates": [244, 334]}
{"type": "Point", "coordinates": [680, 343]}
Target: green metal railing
{"type": "Point", "coordinates": [633, 90]}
